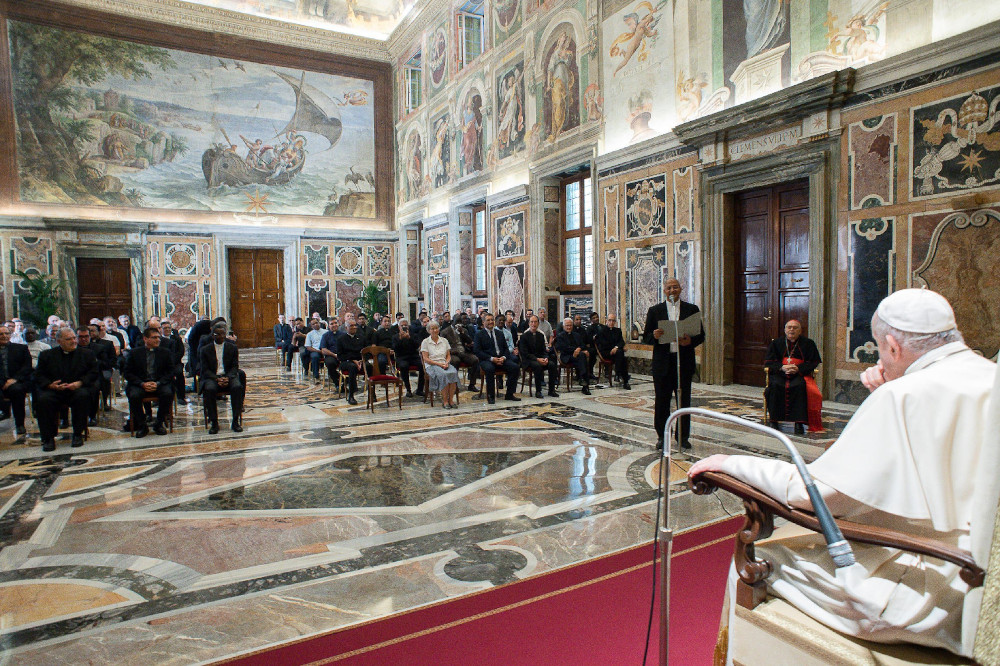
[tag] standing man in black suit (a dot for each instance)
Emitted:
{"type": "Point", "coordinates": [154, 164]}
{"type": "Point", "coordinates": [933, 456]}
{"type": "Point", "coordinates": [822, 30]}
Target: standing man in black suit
{"type": "Point", "coordinates": [65, 376]}
{"type": "Point", "coordinates": [536, 357]}
{"type": "Point", "coordinates": [220, 368]}
{"type": "Point", "coordinates": [15, 371]}
{"type": "Point", "coordinates": [172, 342]}
{"type": "Point", "coordinates": [105, 354]}
{"type": "Point", "coordinates": [665, 357]}
{"type": "Point", "coordinates": [611, 344]}
{"type": "Point", "coordinates": [490, 345]}
{"type": "Point", "coordinates": [149, 371]}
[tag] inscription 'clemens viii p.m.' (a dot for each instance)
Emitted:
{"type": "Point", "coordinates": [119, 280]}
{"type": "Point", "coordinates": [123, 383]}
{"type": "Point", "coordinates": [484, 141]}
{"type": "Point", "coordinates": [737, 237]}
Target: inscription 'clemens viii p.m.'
{"type": "Point", "coordinates": [759, 145]}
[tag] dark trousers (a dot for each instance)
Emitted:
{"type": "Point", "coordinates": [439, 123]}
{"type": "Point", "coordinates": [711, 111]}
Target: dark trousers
{"type": "Point", "coordinates": [351, 369]}
{"type": "Point", "coordinates": [332, 367]}
{"type": "Point", "coordinates": [510, 368]}
{"type": "Point", "coordinates": [287, 354]}
{"type": "Point", "coordinates": [15, 395]}
{"type": "Point", "coordinates": [664, 384]}
{"type": "Point", "coordinates": [581, 364]}
{"type": "Point", "coordinates": [404, 364]}
{"type": "Point", "coordinates": [314, 359]}
{"type": "Point", "coordinates": [210, 396]}
{"type": "Point", "coordinates": [51, 402]}
{"type": "Point", "coordinates": [539, 370]}
{"type": "Point", "coordinates": [473, 362]}
{"type": "Point", "coordinates": [164, 394]}
{"type": "Point", "coordinates": [620, 361]}
{"type": "Point", "coordinates": [179, 384]}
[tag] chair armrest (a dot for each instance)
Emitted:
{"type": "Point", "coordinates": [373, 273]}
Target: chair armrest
{"type": "Point", "coordinates": [761, 508]}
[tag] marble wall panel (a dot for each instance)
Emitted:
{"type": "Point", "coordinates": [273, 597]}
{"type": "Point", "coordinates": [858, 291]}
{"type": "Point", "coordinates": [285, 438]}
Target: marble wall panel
{"type": "Point", "coordinates": [316, 259]}
{"type": "Point", "coordinates": [550, 194]}
{"type": "Point", "coordinates": [643, 286]}
{"type": "Point", "coordinates": [379, 260]}
{"type": "Point", "coordinates": [346, 294]}
{"type": "Point", "coordinates": [510, 235]}
{"type": "Point", "coordinates": [465, 263]}
{"type": "Point", "coordinates": [610, 204]}
{"type": "Point", "coordinates": [318, 297]}
{"type": "Point", "coordinates": [510, 289]}
{"type": "Point", "coordinates": [612, 283]}
{"type": "Point", "coordinates": [437, 252]}
{"type": "Point", "coordinates": [872, 152]}
{"type": "Point", "coordinates": [645, 207]}
{"type": "Point", "coordinates": [155, 288]}
{"type": "Point", "coordinates": [438, 289]}
{"type": "Point", "coordinates": [871, 277]}
{"type": "Point", "coordinates": [955, 145]}
{"type": "Point", "coordinates": [577, 305]}
{"type": "Point", "coordinates": [154, 258]}
{"type": "Point", "coordinates": [348, 260]}
{"type": "Point", "coordinates": [553, 250]}
{"type": "Point", "coordinates": [958, 255]}
{"type": "Point", "coordinates": [31, 254]}
{"type": "Point", "coordinates": [181, 302]}
{"type": "Point", "coordinates": [180, 259]}
{"type": "Point", "coordinates": [684, 202]}
{"type": "Point", "coordinates": [413, 269]}
{"type": "Point", "coordinates": [686, 269]}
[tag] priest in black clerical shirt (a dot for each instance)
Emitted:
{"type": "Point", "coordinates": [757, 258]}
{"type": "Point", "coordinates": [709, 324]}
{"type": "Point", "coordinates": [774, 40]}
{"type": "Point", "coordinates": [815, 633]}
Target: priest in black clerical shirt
{"type": "Point", "coordinates": [610, 343]}
{"type": "Point", "coordinates": [407, 353]}
{"type": "Point", "coordinates": [65, 375]}
{"type": "Point", "coordinates": [15, 371]}
{"type": "Point", "coordinates": [349, 352]}
{"type": "Point", "coordinates": [149, 371]}
{"type": "Point", "coordinates": [790, 362]}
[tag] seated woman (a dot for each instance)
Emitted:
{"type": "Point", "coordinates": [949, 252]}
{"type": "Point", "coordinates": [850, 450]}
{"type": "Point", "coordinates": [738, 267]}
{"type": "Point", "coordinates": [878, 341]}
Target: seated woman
{"type": "Point", "coordinates": [792, 394]}
{"type": "Point", "coordinates": [441, 376]}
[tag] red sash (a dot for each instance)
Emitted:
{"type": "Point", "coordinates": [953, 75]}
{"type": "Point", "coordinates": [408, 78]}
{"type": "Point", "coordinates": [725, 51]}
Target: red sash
{"type": "Point", "coordinates": [814, 399]}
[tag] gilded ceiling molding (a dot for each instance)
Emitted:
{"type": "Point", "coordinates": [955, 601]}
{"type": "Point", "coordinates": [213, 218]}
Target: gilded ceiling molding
{"type": "Point", "coordinates": [210, 19]}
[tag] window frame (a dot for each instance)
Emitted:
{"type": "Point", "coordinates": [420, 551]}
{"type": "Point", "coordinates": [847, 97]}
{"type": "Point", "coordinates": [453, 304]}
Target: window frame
{"type": "Point", "coordinates": [580, 232]}
{"type": "Point", "coordinates": [478, 251]}
{"type": "Point", "coordinates": [413, 69]}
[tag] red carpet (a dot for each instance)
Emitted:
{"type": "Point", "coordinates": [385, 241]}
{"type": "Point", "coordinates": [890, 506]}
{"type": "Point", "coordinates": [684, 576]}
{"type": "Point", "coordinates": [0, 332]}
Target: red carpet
{"type": "Point", "coordinates": [590, 613]}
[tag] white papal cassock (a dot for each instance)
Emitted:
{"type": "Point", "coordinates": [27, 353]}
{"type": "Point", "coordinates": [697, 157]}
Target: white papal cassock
{"type": "Point", "coordinates": [917, 457]}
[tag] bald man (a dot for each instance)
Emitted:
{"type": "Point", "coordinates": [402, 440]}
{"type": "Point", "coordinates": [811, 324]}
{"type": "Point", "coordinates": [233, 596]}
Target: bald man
{"type": "Point", "coordinates": [792, 394]}
{"type": "Point", "coordinates": [666, 358]}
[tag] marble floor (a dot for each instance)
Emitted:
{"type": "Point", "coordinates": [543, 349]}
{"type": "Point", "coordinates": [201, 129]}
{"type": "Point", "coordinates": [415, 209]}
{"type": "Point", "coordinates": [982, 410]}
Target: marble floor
{"type": "Point", "coordinates": [190, 548]}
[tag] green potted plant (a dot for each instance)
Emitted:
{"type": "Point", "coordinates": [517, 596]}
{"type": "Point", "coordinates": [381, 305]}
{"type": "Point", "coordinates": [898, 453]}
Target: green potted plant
{"type": "Point", "coordinates": [373, 299]}
{"type": "Point", "coordinates": [40, 297]}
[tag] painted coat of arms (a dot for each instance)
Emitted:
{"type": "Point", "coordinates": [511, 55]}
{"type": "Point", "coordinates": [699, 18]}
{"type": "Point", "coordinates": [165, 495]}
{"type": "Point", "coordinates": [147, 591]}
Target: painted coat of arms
{"type": "Point", "coordinates": [510, 236]}
{"type": "Point", "coordinates": [956, 144]}
{"type": "Point", "coordinates": [645, 207]}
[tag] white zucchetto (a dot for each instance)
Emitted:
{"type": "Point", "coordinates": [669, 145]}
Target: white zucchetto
{"type": "Point", "coordinates": [917, 311]}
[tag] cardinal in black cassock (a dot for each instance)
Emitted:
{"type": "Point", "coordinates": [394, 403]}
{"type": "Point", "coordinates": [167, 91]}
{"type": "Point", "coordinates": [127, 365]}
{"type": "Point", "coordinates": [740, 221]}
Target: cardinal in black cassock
{"type": "Point", "coordinates": [792, 394]}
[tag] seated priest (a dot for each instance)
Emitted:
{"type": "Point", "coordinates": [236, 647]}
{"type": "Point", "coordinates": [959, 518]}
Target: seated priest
{"type": "Point", "coordinates": [106, 361]}
{"type": "Point", "coordinates": [792, 394]}
{"type": "Point", "coordinates": [609, 341]}
{"type": "Point", "coordinates": [349, 348]}
{"type": "Point", "coordinates": [382, 337]}
{"type": "Point", "coordinates": [407, 352]}
{"type": "Point", "coordinates": [910, 459]}
{"type": "Point", "coordinates": [574, 351]}
{"type": "Point", "coordinates": [328, 348]}
{"type": "Point", "coordinates": [65, 377]}
{"type": "Point", "coordinates": [149, 372]}
{"type": "Point", "coordinates": [105, 353]}
{"type": "Point", "coordinates": [220, 369]}
{"type": "Point", "coordinates": [170, 340]}
{"type": "Point", "coordinates": [15, 373]}
{"type": "Point", "coordinates": [536, 357]}
{"type": "Point", "coordinates": [490, 345]}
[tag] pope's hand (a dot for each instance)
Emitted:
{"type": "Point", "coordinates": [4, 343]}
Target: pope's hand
{"type": "Point", "coordinates": [709, 464]}
{"type": "Point", "coordinates": [873, 377]}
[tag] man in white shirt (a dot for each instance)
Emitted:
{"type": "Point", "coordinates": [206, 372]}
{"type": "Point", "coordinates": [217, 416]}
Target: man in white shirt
{"type": "Point", "coordinates": [912, 458]}
{"type": "Point", "coordinates": [544, 327]}
{"type": "Point", "coordinates": [312, 354]}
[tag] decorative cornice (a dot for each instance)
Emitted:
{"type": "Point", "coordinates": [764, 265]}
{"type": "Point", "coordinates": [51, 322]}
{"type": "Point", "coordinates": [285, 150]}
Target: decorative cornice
{"type": "Point", "coordinates": [435, 221]}
{"type": "Point", "coordinates": [657, 149]}
{"type": "Point", "coordinates": [778, 109]}
{"type": "Point", "coordinates": [507, 197]}
{"type": "Point", "coordinates": [238, 24]}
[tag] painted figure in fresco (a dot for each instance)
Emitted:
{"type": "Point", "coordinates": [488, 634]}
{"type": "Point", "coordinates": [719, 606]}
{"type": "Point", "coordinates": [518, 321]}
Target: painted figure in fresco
{"type": "Point", "coordinates": [594, 101]}
{"type": "Point", "coordinates": [640, 110]}
{"type": "Point", "coordinates": [506, 12]}
{"type": "Point", "coordinates": [511, 111]}
{"type": "Point", "coordinates": [689, 95]}
{"type": "Point", "coordinates": [560, 85]}
{"type": "Point", "coordinates": [639, 29]}
{"type": "Point", "coordinates": [441, 154]}
{"type": "Point", "coordinates": [472, 132]}
{"type": "Point", "coordinates": [859, 39]}
{"type": "Point", "coordinates": [415, 168]}
{"type": "Point", "coordinates": [765, 24]}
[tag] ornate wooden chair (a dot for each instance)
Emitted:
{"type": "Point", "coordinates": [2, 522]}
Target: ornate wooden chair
{"type": "Point", "coordinates": [768, 630]}
{"type": "Point", "coordinates": [767, 383]}
{"type": "Point", "coordinates": [376, 376]}
{"type": "Point", "coordinates": [605, 366]}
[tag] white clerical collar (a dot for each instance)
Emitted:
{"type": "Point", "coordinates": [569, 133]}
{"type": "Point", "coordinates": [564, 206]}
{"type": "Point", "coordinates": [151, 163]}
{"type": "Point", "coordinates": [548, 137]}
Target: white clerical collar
{"type": "Point", "coordinates": [935, 355]}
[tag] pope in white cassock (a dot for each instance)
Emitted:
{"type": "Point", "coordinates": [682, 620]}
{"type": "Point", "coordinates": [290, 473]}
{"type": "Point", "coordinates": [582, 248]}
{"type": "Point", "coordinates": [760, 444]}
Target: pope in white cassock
{"type": "Point", "coordinates": [913, 458]}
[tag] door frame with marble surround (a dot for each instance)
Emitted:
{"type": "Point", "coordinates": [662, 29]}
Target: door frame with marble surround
{"type": "Point", "coordinates": [135, 253]}
{"type": "Point", "coordinates": [819, 163]}
{"type": "Point", "coordinates": [290, 247]}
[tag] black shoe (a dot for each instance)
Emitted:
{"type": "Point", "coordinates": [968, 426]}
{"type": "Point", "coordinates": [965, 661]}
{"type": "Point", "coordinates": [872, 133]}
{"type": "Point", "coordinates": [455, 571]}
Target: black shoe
{"type": "Point", "coordinates": [626, 386]}
{"type": "Point", "coordinates": [409, 394]}
{"type": "Point", "coordinates": [490, 401]}
{"type": "Point", "coordinates": [472, 387]}
{"type": "Point", "coordinates": [48, 445]}
{"type": "Point", "coordinates": [685, 444]}
{"type": "Point", "coordinates": [659, 444]}
{"type": "Point", "coordinates": [92, 423]}
{"type": "Point", "coordinates": [19, 430]}
{"type": "Point", "coordinates": [775, 425]}
{"type": "Point", "coordinates": [64, 423]}
{"type": "Point", "coordinates": [214, 430]}
{"type": "Point", "coordinates": [513, 398]}
{"type": "Point", "coordinates": [419, 393]}
{"type": "Point", "coordinates": [800, 429]}
{"type": "Point", "coordinates": [107, 407]}
{"type": "Point", "coordinates": [160, 429]}
{"type": "Point", "coordinates": [236, 427]}
{"type": "Point", "coordinates": [4, 416]}
{"type": "Point", "coordinates": [139, 434]}
{"type": "Point", "coordinates": [553, 394]}
{"type": "Point", "coordinates": [77, 441]}
{"type": "Point", "coordinates": [351, 400]}
{"type": "Point", "coordinates": [586, 390]}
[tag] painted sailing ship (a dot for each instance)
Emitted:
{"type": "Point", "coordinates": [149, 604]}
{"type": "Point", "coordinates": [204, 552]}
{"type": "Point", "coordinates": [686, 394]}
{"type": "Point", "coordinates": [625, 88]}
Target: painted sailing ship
{"type": "Point", "coordinates": [315, 112]}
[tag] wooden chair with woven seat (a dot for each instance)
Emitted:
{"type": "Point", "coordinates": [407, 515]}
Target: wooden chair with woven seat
{"type": "Point", "coordinates": [376, 376]}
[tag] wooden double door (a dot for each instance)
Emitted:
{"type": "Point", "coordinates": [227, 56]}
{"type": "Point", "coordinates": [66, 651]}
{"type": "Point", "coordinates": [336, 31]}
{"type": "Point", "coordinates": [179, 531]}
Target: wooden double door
{"type": "Point", "coordinates": [256, 294]}
{"type": "Point", "coordinates": [772, 271]}
{"type": "Point", "coordinates": [104, 287]}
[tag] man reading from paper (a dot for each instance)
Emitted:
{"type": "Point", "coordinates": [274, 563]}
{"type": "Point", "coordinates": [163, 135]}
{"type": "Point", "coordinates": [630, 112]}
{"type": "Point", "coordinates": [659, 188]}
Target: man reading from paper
{"type": "Point", "coordinates": [908, 460]}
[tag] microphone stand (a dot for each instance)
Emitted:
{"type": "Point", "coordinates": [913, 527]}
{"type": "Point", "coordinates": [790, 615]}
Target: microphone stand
{"type": "Point", "coordinates": [838, 547]}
